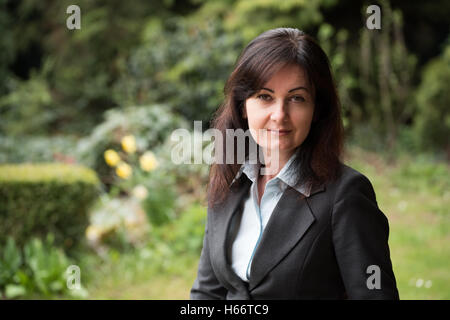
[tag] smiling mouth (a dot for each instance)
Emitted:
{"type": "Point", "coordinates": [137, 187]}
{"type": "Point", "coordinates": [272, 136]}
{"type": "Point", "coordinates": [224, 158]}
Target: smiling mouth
{"type": "Point", "coordinates": [279, 132]}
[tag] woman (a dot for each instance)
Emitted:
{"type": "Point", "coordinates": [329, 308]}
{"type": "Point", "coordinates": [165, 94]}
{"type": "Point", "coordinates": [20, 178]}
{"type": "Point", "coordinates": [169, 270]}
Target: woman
{"type": "Point", "coordinates": [310, 227]}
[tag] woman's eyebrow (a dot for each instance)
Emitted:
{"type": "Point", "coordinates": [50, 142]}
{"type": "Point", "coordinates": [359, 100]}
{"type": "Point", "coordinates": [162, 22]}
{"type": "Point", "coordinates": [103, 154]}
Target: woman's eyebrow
{"type": "Point", "coordinates": [297, 88]}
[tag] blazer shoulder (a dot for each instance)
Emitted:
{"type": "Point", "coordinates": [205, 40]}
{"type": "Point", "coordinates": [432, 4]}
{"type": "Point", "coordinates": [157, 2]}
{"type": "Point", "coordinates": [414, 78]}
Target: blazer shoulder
{"type": "Point", "coordinates": [351, 181]}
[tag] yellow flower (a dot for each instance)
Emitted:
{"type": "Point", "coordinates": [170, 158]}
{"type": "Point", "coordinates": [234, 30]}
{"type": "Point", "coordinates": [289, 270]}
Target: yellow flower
{"type": "Point", "coordinates": [123, 170]}
{"type": "Point", "coordinates": [129, 144]}
{"type": "Point", "coordinates": [148, 161]}
{"type": "Point", "coordinates": [111, 157]}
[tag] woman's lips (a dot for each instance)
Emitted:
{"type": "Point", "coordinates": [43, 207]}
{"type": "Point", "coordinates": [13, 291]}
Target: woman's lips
{"type": "Point", "coordinates": [279, 132]}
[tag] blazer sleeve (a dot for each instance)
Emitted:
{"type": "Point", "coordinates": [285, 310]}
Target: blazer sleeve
{"type": "Point", "coordinates": [360, 238]}
{"type": "Point", "coordinates": [206, 286]}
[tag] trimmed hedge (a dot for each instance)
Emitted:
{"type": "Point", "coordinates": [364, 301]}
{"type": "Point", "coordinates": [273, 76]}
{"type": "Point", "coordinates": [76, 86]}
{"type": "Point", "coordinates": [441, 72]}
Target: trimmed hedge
{"type": "Point", "coordinates": [37, 199]}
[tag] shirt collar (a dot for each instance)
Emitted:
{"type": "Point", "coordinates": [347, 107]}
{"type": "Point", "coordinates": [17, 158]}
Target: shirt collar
{"type": "Point", "coordinates": [286, 177]}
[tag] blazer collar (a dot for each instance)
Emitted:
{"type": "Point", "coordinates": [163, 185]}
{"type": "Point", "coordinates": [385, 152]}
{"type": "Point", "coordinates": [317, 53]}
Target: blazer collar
{"type": "Point", "coordinates": [288, 223]}
{"type": "Point", "coordinates": [221, 218]}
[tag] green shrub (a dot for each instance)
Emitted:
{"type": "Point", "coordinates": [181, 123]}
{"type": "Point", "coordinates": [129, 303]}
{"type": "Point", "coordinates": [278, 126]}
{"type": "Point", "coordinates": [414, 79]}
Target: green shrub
{"type": "Point", "coordinates": [10, 262]}
{"type": "Point", "coordinates": [189, 230]}
{"type": "Point", "coordinates": [46, 266]}
{"type": "Point", "coordinates": [432, 122]}
{"type": "Point", "coordinates": [28, 108]}
{"type": "Point", "coordinates": [160, 203]}
{"type": "Point", "coordinates": [37, 199]}
{"type": "Point", "coordinates": [150, 124]}
{"type": "Point", "coordinates": [175, 73]}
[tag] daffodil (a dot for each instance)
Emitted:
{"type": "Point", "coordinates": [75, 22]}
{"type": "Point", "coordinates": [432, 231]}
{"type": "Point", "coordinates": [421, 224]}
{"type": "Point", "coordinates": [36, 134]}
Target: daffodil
{"type": "Point", "coordinates": [111, 157]}
{"type": "Point", "coordinates": [148, 161]}
{"type": "Point", "coordinates": [123, 170]}
{"type": "Point", "coordinates": [129, 144]}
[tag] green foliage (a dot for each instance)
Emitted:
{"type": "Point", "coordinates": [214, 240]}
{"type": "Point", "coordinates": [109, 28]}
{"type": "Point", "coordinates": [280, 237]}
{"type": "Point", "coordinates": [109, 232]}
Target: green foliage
{"type": "Point", "coordinates": [160, 194]}
{"type": "Point", "coordinates": [186, 70]}
{"type": "Point", "coordinates": [250, 18]}
{"type": "Point", "coordinates": [47, 266]}
{"type": "Point", "coordinates": [171, 187]}
{"type": "Point", "coordinates": [7, 48]}
{"type": "Point", "coordinates": [38, 268]}
{"type": "Point", "coordinates": [28, 108]}
{"type": "Point", "coordinates": [41, 198]}
{"type": "Point", "coordinates": [189, 230]}
{"type": "Point", "coordinates": [423, 176]}
{"type": "Point", "coordinates": [336, 46]}
{"type": "Point", "coordinates": [82, 64]}
{"type": "Point", "coordinates": [10, 262]}
{"type": "Point", "coordinates": [184, 235]}
{"type": "Point", "coordinates": [374, 78]}
{"type": "Point", "coordinates": [159, 204]}
{"type": "Point", "coordinates": [35, 148]}
{"type": "Point", "coordinates": [373, 71]}
{"type": "Point", "coordinates": [432, 122]}
{"type": "Point", "coordinates": [53, 80]}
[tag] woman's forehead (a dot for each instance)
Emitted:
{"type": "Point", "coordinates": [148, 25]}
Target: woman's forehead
{"type": "Point", "coordinates": [287, 76]}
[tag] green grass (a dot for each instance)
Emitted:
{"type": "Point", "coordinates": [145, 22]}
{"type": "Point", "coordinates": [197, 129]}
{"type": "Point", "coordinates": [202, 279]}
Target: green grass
{"type": "Point", "coordinates": [413, 193]}
{"type": "Point", "coordinates": [129, 280]}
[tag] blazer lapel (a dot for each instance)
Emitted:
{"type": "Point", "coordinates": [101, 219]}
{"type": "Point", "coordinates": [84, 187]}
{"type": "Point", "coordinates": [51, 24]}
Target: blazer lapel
{"type": "Point", "coordinates": [289, 221]}
{"type": "Point", "coordinates": [221, 220]}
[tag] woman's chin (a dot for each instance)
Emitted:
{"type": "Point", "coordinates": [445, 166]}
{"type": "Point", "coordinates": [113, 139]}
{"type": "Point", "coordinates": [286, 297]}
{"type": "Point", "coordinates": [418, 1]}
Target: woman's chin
{"type": "Point", "coordinates": [280, 148]}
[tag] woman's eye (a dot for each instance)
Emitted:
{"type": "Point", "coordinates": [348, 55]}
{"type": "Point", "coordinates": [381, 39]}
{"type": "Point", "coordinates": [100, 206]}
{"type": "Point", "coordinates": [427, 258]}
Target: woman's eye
{"type": "Point", "coordinates": [298, 99]}
{"type": "Point", "coordinates": [264, 97]}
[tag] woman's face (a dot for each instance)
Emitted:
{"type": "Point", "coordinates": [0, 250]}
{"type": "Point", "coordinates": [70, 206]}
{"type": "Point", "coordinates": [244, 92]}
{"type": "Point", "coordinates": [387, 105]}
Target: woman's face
{"type": "Point", "coordinates": [286, 103]}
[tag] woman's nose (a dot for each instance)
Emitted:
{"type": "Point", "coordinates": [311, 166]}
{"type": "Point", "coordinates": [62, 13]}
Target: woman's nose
{"type": "Point", "coordinates": [279, 113]}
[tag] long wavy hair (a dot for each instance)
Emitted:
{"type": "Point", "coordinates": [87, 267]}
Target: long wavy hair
{"type": "Point", "coordinates": [318, 159]}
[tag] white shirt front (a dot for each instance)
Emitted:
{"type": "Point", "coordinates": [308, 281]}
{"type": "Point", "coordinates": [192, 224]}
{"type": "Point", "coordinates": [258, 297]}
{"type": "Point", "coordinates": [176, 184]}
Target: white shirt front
{"type": "Point", "coordinates": [255, 217]}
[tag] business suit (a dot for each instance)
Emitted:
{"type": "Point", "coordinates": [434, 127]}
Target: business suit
{"type": "Point", "coordinates": [318, 247]}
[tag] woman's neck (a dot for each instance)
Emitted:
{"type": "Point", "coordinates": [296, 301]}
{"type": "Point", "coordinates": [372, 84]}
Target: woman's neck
{"type": "Point", "coordinates": [273, 163]}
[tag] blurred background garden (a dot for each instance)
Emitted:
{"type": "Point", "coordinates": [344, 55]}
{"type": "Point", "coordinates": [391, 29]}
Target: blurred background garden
{"type": "Point", "coordinates": [86, 177]}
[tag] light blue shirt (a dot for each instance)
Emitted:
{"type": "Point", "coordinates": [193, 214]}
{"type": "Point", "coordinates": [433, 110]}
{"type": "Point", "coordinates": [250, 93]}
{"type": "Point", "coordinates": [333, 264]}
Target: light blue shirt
{"type": "Point", "coordinates": [255, 217]}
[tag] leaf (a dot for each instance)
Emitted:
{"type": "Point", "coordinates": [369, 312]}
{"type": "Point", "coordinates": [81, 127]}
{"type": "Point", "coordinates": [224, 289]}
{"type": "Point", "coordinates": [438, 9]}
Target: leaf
{"type": "Point", "coordinates": [22, 278]}
{"type": "Point", "coordinates": [12, 254]}
{"type": "Point", "coordinates": [13, 291]}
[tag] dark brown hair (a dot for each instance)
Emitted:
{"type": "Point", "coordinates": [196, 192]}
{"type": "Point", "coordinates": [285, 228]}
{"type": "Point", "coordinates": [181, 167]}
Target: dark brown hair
{"type": "Point", "coordinates": [318, 158]}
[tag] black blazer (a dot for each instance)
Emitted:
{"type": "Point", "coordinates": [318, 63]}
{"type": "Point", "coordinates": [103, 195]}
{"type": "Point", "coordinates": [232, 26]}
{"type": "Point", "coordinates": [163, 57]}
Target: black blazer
{"type": "Point", "coordinates": [318, 247]}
